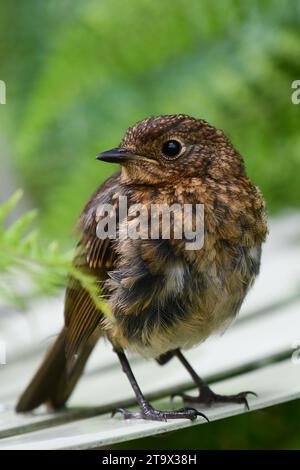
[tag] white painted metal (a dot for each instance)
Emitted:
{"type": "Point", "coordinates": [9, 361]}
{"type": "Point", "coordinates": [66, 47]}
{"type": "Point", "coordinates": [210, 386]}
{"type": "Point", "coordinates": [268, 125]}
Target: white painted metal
{"type": "Point", "coordinates": [269, 325]}
{"type": "Point", "coordinates": [103, 431]}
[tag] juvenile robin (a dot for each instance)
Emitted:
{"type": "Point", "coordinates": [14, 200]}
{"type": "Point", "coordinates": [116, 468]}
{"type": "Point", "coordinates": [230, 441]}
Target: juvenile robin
{"type": "Point", "coordinates": [164, 297]}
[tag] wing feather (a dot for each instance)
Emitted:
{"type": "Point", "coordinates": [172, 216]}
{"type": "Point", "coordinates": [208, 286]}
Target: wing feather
{"type": "Point", "coordinates": [94, 256]}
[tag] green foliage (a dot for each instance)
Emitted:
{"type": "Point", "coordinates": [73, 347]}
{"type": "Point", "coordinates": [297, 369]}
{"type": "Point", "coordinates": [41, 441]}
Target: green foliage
{"type": "Point", "coordinates": [41, 268]}
{"type": "Point", "coordinates": [90, 69]}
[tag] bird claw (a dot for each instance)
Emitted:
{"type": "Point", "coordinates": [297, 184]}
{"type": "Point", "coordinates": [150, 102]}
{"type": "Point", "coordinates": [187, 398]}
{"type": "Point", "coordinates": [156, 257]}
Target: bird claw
{"type": "Point", "coordinates": [208, 397]}
{"type": "Point", "coordinates": [242, 398]}
{"type": "Point", "coordinates": [126, 413]}
{"type": "Point", "coordinates": [157, 415]}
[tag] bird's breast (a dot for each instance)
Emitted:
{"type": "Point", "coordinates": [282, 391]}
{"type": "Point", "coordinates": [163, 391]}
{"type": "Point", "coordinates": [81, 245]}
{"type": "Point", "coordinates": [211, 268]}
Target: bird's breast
{"type": "Point", "coordinates": [162, 300]}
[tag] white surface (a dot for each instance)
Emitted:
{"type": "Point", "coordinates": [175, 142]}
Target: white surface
{"type": "Point", "coordinates": [262, 331]}
{"type": "Point", "coordinates": [103, 430]}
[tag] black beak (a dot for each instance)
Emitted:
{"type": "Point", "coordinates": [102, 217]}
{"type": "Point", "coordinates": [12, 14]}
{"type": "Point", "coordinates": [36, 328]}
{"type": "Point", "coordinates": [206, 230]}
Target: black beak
{"type": "Point", "coordinates": [117, 155]}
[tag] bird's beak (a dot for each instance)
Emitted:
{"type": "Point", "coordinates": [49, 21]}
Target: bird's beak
{"type": "Point", "coordinates": [121, 155]}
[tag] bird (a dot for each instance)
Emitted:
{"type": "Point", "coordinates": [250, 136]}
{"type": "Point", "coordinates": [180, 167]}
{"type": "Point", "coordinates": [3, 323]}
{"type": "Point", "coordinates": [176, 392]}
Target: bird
{"type": "Point", "coordinates": [163, 296]}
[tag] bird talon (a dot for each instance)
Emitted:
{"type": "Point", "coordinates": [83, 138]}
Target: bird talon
{"type": "Point", "coordinates": [249, 392]}
{"type": "Point", "coordinates": [125, 413]}
{"type": "Point", "coordinates": [150, 413]}
{"type": "Point", "coordinates": [244, 399]}
{"type": "Point", "coordinates": [208, 398]}
{"type": "Point", "coordinates": [246, 404]}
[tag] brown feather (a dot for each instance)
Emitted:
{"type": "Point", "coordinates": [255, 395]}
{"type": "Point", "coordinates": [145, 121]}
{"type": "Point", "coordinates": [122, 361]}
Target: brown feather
{"type": "Point", "coordinates": [58, 374]}
{"type": "Point", "coordinates": [162, 296]}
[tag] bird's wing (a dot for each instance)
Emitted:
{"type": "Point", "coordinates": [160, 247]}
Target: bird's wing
{"type": "Point", "coordinates": [94, 256]}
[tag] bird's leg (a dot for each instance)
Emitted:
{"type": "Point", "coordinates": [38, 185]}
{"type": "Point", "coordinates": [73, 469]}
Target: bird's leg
{"type": "Point", "coordinates": [147, 411]}
{"type": "Point", "coordinates": [206, 395]}
{"type": "Point", "coordinates": [165, 358]}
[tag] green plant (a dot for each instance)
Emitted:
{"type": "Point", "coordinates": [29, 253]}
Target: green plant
{"type": "Point", "coordinates": [90, 69]}
{"type": "Point", "coordinates": [29, 267]}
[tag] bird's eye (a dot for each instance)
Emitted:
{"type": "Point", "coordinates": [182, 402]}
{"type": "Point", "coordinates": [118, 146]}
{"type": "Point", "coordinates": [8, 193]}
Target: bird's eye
{"type": "Point", "coordinates": [171, 148]}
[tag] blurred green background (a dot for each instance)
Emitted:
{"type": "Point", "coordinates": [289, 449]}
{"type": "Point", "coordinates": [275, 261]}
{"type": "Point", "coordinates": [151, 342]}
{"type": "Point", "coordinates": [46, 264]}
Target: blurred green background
{"type": "Point", "coordinates": [78, 73]}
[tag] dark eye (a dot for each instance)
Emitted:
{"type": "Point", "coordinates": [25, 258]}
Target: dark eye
{"type": "Point", "coordinates": [171, 148]}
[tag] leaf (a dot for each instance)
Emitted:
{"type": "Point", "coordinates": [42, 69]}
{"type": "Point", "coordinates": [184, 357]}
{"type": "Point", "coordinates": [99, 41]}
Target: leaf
{"type": "Point", "coordinates": [7, 206]}
{"type": "Point", "coordinates": [23, 254]}
{"type": "Point", "coordinates": [14, 233]}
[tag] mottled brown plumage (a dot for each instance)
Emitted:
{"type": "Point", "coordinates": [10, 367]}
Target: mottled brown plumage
{"type": "Point", "coordinates": [163, 297]}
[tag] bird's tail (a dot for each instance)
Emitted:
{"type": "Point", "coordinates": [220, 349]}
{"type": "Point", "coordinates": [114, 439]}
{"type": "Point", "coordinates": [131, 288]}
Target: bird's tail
{"type": "Point", "coordinates": [53, 383]}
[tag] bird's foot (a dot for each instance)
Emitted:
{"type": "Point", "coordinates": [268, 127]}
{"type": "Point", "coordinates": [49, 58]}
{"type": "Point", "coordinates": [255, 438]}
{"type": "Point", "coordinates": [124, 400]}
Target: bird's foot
{"type": "Point", "coordinates": [208, 397]}
{"type": "Point", "coordinates": [148, 412]}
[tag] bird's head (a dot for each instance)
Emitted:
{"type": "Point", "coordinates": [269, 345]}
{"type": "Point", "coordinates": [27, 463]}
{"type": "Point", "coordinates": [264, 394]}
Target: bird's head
{"type": "Point", "coordinates": [172, 147]}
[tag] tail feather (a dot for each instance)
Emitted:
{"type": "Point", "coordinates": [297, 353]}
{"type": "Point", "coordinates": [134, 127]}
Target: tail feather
{"type": "Point", "coordinates": [53, 383]}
